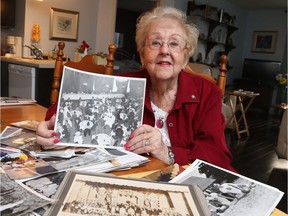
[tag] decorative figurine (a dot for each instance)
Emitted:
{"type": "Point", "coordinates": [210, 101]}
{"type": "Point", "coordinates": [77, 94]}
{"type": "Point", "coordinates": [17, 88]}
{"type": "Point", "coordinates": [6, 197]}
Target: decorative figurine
{"type": "Point", "coordinates": [36, 33]}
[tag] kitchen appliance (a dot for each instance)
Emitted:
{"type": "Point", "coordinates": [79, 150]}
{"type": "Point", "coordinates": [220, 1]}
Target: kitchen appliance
{"type": "Point", "coordinates": [14, 45]}
{"type": "Point", "coordinates": [21, 81]}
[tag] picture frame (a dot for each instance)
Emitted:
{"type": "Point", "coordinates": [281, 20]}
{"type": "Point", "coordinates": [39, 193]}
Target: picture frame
{"type": "Point", "coordinates": [64, 24]}
{"type": "Point", "coordinates": [264, 41]}
{"type": "Point", "coordinates": [105, 194]}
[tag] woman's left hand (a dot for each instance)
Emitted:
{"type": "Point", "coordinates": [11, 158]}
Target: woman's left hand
{"type": "Point", "coordinates": [148, 139]}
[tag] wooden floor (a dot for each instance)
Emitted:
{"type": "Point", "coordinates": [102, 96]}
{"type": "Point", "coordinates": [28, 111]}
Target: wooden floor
{"type": "Point", "coordinates": [255, 156]}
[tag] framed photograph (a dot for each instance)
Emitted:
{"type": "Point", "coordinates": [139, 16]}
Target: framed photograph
{"type": "Point", "coordinates": [103, 194]}
{"type": "Point", "coordinates": [64, 25]}
{"type": "Point", "coordinates": [264, 41]}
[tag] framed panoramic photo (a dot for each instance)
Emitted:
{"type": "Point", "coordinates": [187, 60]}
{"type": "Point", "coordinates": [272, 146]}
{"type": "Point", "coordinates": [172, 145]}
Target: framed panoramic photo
{"type": "Point", "coordinates": [63, 24]}
{"type": "Point", "coordinates": [264, 41]}
{"type": "Point", "coordinates": [86, 193]}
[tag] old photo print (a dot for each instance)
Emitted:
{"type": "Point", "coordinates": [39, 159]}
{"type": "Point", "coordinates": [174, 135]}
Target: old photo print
{"type": "Point", "coordinates": [98, 110]}
{"type": "Point", "coordinates": [108, 195]}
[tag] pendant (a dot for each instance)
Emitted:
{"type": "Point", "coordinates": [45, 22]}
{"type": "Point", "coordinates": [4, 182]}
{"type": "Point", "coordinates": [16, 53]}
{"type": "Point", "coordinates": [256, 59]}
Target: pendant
{"type": "Point", "coordinates": [159, 123]}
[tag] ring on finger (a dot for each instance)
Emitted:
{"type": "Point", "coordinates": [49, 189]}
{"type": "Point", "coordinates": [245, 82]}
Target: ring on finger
{"type": "Point", "coordinates": [44, 147]}
{"type": "Point", "coordinates": [147, 142]}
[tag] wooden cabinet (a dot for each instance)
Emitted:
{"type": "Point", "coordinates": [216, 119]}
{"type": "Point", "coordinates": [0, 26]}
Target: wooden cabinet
{"type": "Point", "coordinates": [216, 29]}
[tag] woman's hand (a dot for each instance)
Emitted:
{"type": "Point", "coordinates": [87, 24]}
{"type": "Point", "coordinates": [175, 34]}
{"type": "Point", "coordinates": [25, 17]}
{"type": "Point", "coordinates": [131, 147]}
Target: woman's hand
{"type": "Point", "coordinates": [147, 139]}
{"type": "Point", "coordinates": [47, 137]}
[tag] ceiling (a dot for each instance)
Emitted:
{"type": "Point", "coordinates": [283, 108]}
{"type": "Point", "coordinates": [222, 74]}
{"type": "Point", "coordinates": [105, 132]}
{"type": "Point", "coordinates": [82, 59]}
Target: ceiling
{"type": "Point", "coordinates": [140, 5]}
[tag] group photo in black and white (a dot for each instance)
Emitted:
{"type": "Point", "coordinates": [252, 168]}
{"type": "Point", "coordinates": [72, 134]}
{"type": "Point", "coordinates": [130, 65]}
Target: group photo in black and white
{"type": "Point", "coordinates": [98, 110]}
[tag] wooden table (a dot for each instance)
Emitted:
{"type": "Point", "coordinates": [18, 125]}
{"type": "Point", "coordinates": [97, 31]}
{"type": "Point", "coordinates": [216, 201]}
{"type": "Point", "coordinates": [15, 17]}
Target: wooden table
{"type": "Point", "coordinates": [10, 114]}
{"type": "Point", "coordinates": [241, 96]}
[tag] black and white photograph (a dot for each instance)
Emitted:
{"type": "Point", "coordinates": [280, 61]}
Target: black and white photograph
{"type": "Point", "coordinates": [87, 194]}
{"type": "Point", "coordinates": [16, 200]}
{"type": "Point", "coordinates": [9, 131]}
{"type": "Point", "coordinates": [98, 110]}
{"type": "Point", "coordinates": [229, 193]}
{"type": "Point", "coordinates": [45, 185]}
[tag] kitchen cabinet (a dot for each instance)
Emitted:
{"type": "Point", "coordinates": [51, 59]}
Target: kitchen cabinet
{"type": "Point", "coordinates": [216, 28]}
{"type": "Point", "coordinates": [43, 78]}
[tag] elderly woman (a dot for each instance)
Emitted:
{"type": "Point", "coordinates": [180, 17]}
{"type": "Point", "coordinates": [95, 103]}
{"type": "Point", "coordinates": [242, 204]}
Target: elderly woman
{"type": "Point", "coordinates": [182, 114]}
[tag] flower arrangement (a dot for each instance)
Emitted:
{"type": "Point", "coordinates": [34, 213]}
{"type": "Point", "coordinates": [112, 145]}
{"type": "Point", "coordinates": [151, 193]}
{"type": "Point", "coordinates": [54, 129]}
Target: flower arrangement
{"type": "Point", "coordinates": [84, 46]}
{"type": "Point", "coordinates": [101, 54]}
{"type": "Point", "coordinates": [281, 79]}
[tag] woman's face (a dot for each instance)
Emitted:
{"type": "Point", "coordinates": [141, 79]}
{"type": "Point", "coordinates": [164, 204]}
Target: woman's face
{"type": "Point", "coordinates": [165, 53]}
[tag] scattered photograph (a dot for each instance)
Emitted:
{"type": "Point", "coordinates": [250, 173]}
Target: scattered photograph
{"type": "Point", "coordinates": [15, 200]}
{"type": "Point", "coordinates": [229, 193]}
{"type": "Point", "coordinates": [8, 152]}
{"type": "Point", "coordinates": [23, 140]}
{"type": "Point", "coordinates": [10, 131]}
{"type": "Point", "coordinates": [98, 110]}
{"type": "Point", "coordinates": [45, 185]}
{"type": "Point", "coordinates": [19, 168]}
{"type": "Point", "coordinates": [27, 124]}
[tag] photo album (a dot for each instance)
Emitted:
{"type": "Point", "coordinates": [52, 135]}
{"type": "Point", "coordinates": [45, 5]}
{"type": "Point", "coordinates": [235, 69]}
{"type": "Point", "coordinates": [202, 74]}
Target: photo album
{"type": "Point", "coordinates": [98, 110]}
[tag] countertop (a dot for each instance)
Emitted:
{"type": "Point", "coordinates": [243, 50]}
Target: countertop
{"type": "Point", "coordinates": [29, 62]}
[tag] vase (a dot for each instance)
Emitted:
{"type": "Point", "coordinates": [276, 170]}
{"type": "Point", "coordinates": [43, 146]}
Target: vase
{"type": "Point", "coordinates": [282, 94]}
{"type": "Point", "coordinates": [78, 56]}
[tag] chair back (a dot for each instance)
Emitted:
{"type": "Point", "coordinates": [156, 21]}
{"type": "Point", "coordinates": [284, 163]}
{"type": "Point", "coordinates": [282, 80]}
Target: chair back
{"type": "Point", "coordinates": [205, 71]}
{"type": "Point", "coordinates": [87, 64]}
{"type": "Point", "coordinates": [201, 68]}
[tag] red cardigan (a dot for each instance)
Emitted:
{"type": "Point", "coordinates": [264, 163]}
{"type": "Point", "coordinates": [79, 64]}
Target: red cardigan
{"type": "Point", "coordinates": [195, 124]}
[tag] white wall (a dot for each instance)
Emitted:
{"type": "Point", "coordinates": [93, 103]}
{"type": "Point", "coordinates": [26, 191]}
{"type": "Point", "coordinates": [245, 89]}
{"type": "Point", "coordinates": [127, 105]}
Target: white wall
{"type": "Point", "coordinates": [96, 23]}
{"type": "Point", "coordinates": [93, 18]}
{"type": "Point", "coordinates": [272, 20]}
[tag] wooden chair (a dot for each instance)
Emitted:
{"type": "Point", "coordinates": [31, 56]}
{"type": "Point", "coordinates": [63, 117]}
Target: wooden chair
{"type": "Point", "coordinates": [220, 82]}
{"type": "Point", "coordinates": [86, 64]}
{"type": "Point", "coordinates": [221, 79]}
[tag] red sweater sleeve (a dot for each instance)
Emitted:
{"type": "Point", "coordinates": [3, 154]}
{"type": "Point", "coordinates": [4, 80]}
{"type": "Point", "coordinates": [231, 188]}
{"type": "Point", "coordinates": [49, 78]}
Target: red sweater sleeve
{"type": "Point", "coordinates": [51, 111]}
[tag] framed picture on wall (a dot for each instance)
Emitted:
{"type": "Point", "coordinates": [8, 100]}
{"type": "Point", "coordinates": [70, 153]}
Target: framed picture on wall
{"type": "Point", "coordinates": [264, 41]}
{"type": "Point", "coordinates": [63, 25]}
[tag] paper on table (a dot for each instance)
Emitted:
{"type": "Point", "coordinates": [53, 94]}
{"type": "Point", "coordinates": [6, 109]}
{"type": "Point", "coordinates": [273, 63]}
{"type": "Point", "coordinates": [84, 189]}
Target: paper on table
{"type": "Point", "coordinates": [12, 101]}
{"type": "Point", "coordinates": [27, 124]}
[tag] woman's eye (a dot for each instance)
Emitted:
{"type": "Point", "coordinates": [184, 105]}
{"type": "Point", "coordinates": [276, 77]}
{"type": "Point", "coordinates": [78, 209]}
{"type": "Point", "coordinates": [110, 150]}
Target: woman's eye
{"type": "Point", "coordinates": [156, 43]}
{"type": "Point", "coordinates": [173, 44]}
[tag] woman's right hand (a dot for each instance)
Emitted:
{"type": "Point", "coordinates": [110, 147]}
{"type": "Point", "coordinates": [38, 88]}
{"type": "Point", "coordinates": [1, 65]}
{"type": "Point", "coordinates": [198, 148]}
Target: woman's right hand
{"type": "Point", "coordinates": [46, 136]}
